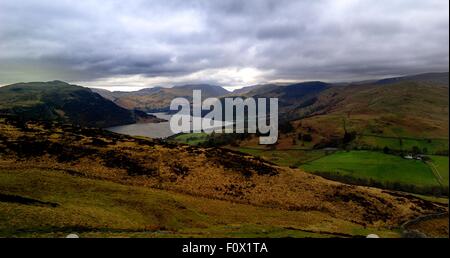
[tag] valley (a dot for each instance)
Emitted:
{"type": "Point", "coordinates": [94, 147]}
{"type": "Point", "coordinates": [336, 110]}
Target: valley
{"type": "Point", "coordinates": [351, 130]}
{"type": "Point", "coordinates": [351, 160]}
{"type": "Point", "coordinates": [210, 128]}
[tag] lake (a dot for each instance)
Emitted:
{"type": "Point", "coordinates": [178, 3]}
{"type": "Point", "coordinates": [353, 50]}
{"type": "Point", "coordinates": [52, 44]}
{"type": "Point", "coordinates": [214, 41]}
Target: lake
{"type": "Point", "coordinates": [151, 130]}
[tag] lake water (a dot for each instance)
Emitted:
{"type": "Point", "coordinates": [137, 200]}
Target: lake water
{"type": "Point", "coordinates": [151, 130]}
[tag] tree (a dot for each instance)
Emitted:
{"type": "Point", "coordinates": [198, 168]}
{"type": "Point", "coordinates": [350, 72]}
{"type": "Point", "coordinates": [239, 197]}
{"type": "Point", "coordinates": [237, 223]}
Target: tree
{"type": "Point", "coordinates": [415, 150]}
{"type": "Point", "coordinates": [307, 138]}
{"type": "Point", "coordinates": [349, 136]}
{"type": "Point", "coordinates": [286, 127]}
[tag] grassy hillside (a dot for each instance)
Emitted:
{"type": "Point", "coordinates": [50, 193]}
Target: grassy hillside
{"type": "Point", "coordinates": [98, 208]}
{"type": "Point", "coordinates": [60, 101]}
{"type": "Point", "coordinates": [216, 174]}
{"type": "Point", "coordinates": [408, 109]}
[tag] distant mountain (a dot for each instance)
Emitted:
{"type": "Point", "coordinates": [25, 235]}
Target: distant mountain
{"type": "Point", "coordinates": [431, 78]}
{"type": "Point", "coordinates": [207, 90]}
{"type": "Point", "coordinates": [60, 101]}
{"type": "Point", "coordinates": [158, 98]}
{"type": "Point", "coordinates": [291, 96]}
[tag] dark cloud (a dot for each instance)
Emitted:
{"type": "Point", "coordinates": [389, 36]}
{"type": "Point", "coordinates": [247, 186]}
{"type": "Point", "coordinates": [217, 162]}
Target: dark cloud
{"type": "Point", "coordinates": [230, 42]}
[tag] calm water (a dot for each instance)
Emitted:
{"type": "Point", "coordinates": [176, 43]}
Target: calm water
{"type": "Point", "coordinates": [151, 130]}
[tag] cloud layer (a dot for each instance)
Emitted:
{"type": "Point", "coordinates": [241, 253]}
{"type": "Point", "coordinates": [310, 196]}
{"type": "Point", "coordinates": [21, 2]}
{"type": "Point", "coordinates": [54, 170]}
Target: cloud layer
{"type": "Point", "coordinates": [231, 42]}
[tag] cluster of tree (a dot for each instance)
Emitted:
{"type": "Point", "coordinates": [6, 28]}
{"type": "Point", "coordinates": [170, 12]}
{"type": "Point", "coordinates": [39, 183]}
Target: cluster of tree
{"type": "Point", "coordinates": [285, 127]}
{"type": "Point", "coordinates": [349, 137]}
{"type": "Point", "coordinates": [442, 153]}
{"type": "Point", "coordinates": [414, 151]}
{"type": "Point", "coordinates": [305, 137]}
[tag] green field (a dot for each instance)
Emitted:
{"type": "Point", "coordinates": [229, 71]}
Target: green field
{"type": "Point", "coordinates": [370, 168]}
{"type": "Point", "coordinates": [191, 138]}
{"type": "Point", "coordinates": [362, 165]}
{"type": "Point", "coordinates": [378, 167]}
{"type": "Point", "coordinates": [441, 164]}
{"type": "Point", "coordinates": [51, 203]}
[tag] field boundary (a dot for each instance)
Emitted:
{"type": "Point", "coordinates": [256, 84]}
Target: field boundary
{"type": "Point", "coordinates": [436, 173]}
{"type": "Point", "coordinates": [401, 137]}
{"type": "Point", "coordinates": [415, 233]}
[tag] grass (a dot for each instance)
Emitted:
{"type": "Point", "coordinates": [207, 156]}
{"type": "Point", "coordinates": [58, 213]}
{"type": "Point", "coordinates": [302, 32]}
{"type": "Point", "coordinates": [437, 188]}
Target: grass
{"type": "Point", "coordinates": [292, 157]}
{"type": "Point", "coordinates": [191, 138]}
{"type": "Point", "coordinates": [441, 200]}
{"type": "Point", "coordinates": [441, 165]}
{"type": "Point", "coordinates": [376, 166]}
{"type": "Point", "coordinates": [364, 168]}
{"type": "Point", "coordinates": [97, 208]}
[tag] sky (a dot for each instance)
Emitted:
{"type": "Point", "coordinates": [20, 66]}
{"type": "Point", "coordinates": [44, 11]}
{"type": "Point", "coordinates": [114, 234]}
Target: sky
{"type": "Point", "coordinates": [129, 45]}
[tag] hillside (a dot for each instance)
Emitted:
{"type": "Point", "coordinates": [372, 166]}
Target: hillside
{"type": "Point", "coordinates": [405, 107]}
{"type": "Point", "coordinates": [395, 108]}
{"type": "Point", "coordinates": [63, 102]}
{"type": "Point", "coordinates": [62, 152]}
{"type": "Point", "coordinates": [158, 98]}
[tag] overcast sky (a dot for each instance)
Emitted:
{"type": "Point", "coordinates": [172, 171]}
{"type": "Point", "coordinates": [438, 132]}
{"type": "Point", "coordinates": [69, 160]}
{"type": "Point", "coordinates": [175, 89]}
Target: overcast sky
{"type": "Point", "coordinates": [134, 44]}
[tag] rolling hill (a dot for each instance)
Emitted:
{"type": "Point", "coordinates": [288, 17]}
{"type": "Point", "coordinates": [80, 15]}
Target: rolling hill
{"type": "Point", "coordinates": [405, 107]}
{"type": "Point", "coordinates": [57, 100]}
